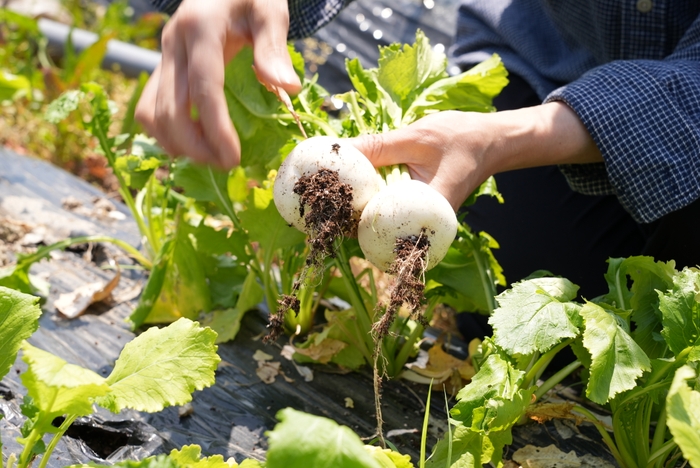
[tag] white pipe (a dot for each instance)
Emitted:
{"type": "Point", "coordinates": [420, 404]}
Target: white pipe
{"type": "Point", "coordinates": [131, 59]}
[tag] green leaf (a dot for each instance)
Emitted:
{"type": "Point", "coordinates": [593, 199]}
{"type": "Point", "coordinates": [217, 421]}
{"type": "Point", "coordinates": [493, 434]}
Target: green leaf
{"type": "Point", "coordinates": [255, 112]}
{"type": "Point", "coordinates": [60, 108]}
{"type": "Point", "coordinates": [458, 278]}
{"type": "Point", "coordinates": [404, 69]}
{"type": "Point", "coordinates": [162, 367]}
{"type": "Point", "coordinates": [487, 187]}
{"type": "Point", "coordinates": [388, 458]}
{"type": "Point", "coordinates": [190, 456]}
{"type": "Point", "coordinates": [648, 276]}
{"type": "Point", "coordinates": [683, 408]}
{"type": "Point", "coordinates": [536, 315]}
{"type": "Point", "coordinates": [680, 308]}
{"type": "Point", "coordinates": [13, 86]}
{"type": "Point", "coordinates": [470, 449]}
{"type": "Point", "coordinates": [617, 360]}
{"type": "Point", "coordinates": [136, 170]}
{"type": "Point", "coordinates": [496, 379]}
{"type": "Point", "coordinates": [472, 90]}
{"type": "Point", "coordinates": [203, 183]}
{"type": "Point", "coordinates": [226, 323]}
{"type": "Point", "coordinates": [264, 223]}
{"type": "Point", "coordinates": [59, 388]}
{"type": "Point", "coordinates": [88, 60]}
{"type": "Point", "coordinates": [178, 284]}
{"type": "Point", "coordinates": [500, 414]}
{"type": "Point", "coordinates": [301, 440]}
{"type": "Point", "coordinates": [19, 319]}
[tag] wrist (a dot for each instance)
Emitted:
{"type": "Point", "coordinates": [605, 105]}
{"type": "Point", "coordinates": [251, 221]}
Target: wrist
{"type": "Point", "coordinates": [548, 134]}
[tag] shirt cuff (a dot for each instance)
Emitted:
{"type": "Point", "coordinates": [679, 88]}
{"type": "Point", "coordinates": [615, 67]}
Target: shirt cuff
{"type": "Point", "coordinates": [634, 112]}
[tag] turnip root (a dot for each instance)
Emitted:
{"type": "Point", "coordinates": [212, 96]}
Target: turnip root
{"type": "Point", "coordinates": [311, 156]}
{"type": "Point", "coordinates": [407, 209]}
{"type": "Point", "coordinates": [321, 189]}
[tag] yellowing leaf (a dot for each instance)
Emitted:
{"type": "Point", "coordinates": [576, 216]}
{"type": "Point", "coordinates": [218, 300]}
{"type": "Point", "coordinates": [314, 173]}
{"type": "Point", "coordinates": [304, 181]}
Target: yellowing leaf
{"type": "Point", "coordinates": [322, 352]}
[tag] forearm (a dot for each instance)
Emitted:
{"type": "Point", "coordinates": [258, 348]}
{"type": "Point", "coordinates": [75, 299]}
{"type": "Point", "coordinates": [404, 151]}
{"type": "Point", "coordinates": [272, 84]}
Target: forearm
{"type": "Point", "coordinates": [548, 134]}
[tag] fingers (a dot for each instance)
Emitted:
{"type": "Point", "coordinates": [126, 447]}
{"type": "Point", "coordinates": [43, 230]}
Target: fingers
{"type": "Point", "coordinates": [385, 149]}
{"type": "Point", "coordinates": [206, 92]}
{"type": "Point", "coordinates": [269, 24]}
{"type": "Point", "coordinates": [182, 82]}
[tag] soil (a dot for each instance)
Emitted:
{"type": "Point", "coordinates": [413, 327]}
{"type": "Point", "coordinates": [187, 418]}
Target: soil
{"type": "Point", "coordinates": [325, 204]}
{"type": "Point", "coordinates": [329, 215]}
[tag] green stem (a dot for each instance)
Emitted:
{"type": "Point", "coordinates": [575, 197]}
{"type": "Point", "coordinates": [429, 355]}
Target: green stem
{"type": "Point", "coordinates": [657, 441]}
{"type": "Point", "coordinates": [536, 370]}
{"type": "Point", "coordinates": [11, 460]}
{"type": "Point", "coordinates": [101, 134]}
{"type": "Point", "coordinates": [658, 456]}
{"type": "Point", "coordinates": [363, 316]}
{"type": "Point", "coordinates": [357, 113]}
{"type": "Point", "coordinates": [133, 252]}
{"type": "Point", "coordinates": [29, 443]}
{"type": "Point", "coordinates": [624, 446]}
{"type": "Point", "coordinates": [416, 334]}
{"type": "Point", "coordinates": [52, 445]}
{"type": "Point", "coordinates": [556, 378]}
{"type": "Point", "coordinates": [424, 434]}
{"type": "Point", "coordinates": [603, 433]}
{"type": "Point", "coordinates": [487, 282]}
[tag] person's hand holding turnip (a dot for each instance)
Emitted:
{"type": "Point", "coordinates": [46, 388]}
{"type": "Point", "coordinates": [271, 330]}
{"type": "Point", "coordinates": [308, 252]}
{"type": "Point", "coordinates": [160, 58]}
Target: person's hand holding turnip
{"type": "Point", "coordinates": [198, 41]}
{"type": "Point", "coordinates": [454, 152]}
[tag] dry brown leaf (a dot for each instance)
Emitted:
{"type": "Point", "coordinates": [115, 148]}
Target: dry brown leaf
{"type": "Point", "coordinates": [267, 371]}
{"type": "Point", "coordinates": [544, 412]}
{"type": "Point", "coordinates": [546, 457]}
{"type": "Point", "coordinates": [443, 367]}
{"type": "Point", "coordinates": [76, 302]}
{"type": "Point", "coordinates": [324, 351]}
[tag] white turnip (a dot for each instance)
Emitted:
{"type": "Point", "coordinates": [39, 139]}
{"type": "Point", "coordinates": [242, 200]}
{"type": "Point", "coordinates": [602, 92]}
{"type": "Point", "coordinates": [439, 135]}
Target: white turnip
{"type": "Point", "coordinates": [406, 209]}
{"type": "Point", "coordinates": [311, 156]}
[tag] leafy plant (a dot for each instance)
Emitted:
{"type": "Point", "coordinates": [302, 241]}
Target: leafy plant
{"type": "Point", "coordinates": [637, 348]}
{"type": "Point", "coordinates": [299, 440]}
{"type": "Point", "coordinates": [159, 368]}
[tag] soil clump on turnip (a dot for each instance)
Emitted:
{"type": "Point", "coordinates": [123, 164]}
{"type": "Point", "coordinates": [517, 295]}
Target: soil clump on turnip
{"type": "Point", "coordinates": [325, 204]}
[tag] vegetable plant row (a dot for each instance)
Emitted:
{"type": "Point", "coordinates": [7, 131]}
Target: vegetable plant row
{"type": "Point", "coordinates": [218, 244]}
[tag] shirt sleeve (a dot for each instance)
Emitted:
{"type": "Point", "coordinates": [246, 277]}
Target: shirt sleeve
{"type": "Point", "coordinates": [644, 116]}
{"type": "Point", "coordinates": [305, 16]}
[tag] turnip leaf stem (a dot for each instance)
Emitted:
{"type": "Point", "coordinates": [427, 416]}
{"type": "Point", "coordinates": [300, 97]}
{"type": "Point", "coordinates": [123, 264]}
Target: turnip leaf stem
{"type": "Point", "coordinates": [56, 438]}
{"type": "Point", "coordinates": [128, 248]}
{"type": "Point", "coordinates": [424, 433]}
{"type": "Point", "coordinates": [556, 378]}
{"type": "Point", "coordinates": [357, 113]}
{"type": "Point", "coordinates": [590, 417]}
{"type": "Point", "coordinates": [540, 364]}
{"type": "Point", "coordinates": [659, 438]}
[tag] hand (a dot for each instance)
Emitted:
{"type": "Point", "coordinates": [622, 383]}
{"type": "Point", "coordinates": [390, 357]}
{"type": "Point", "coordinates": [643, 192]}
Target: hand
{"type": "Point", "coordinates": [454, 152]}
{"type": "Point", "coordinates": [435, 153]}
{"type": "Point", "coordinates": [198, 41]}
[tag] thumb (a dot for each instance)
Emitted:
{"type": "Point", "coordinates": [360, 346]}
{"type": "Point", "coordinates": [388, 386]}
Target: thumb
{"type": "Point", "coordinates": [384, 149]}
{"type": "Point", "coordinates": [273, 65]}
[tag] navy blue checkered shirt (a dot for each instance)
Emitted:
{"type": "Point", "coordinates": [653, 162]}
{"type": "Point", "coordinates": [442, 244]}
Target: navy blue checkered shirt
{"type": "Point", "coordinates": [630, 69]}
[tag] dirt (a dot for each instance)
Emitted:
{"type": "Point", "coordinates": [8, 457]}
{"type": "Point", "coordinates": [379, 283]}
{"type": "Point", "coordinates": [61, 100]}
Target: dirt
{"type": "Point", "coordinates": [408, 270]}
{"type": "Point", "coordinates": [325, 204]}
